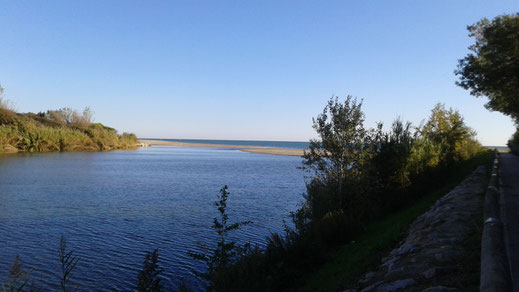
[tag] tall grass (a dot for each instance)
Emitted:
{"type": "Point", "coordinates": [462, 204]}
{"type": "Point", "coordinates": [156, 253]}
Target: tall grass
{"type": "Point", "coordinates": [45, 133]}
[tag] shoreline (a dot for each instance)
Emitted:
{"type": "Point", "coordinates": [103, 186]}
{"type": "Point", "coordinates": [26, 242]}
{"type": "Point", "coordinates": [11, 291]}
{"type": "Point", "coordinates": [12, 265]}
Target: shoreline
{"type": "Point", "coordinates": [244, 148]}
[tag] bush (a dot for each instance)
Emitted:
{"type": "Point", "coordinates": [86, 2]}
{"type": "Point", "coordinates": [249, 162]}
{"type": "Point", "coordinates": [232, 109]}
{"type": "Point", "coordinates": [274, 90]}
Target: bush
{"type": "Point", "coordinates": [355, 175]}
{"type": "Point", "coordinates": [513, 143]}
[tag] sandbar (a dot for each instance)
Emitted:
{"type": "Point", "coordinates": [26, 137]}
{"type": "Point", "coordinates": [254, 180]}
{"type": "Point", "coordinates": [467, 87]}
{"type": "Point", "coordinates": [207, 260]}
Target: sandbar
{"type": "Point", "coordinates": [245, 148]}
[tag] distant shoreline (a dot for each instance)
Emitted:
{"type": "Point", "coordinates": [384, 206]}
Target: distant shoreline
{"type": "Point", "coordinates": [245, 148]}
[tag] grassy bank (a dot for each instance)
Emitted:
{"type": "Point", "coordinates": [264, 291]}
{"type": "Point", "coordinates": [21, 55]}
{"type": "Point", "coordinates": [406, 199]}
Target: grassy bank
{"type": "Point", "coordinates": [60, 130]}
{"type": "Point", "coordinates": [347, 264]}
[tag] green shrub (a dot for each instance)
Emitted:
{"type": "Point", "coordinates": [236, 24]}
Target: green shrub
{"type": "Point", "coordinates": [513, 143]}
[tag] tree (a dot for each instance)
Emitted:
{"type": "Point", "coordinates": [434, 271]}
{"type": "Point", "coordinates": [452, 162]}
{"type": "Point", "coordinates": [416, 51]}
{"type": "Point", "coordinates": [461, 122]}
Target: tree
{"type": "Point", "coordinates": [148, 279]}
{"type": "Point", "coordinates": [337, 159]}
{"type": "Point", "coordinates": [492, 69]}
{"type": "Point", "coordinates": [443, 141]}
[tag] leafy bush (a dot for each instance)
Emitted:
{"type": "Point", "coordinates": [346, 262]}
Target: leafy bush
{"type": "Point", "coordinates": [355, 175]}
{"type": "Point", "coordinates": [513, 143]}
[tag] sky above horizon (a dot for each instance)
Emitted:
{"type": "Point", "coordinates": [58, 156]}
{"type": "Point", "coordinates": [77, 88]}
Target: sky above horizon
{"type": "Point", "coordinates": [242, 70]}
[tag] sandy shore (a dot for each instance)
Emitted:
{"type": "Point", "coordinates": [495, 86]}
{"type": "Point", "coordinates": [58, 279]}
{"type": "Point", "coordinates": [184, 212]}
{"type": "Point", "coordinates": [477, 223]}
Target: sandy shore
{"type": "Point", "coordinates": [253, 149]}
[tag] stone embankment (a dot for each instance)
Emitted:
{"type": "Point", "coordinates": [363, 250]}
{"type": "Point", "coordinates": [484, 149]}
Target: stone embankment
{"type": "Point", "coordinates": [433, 243]}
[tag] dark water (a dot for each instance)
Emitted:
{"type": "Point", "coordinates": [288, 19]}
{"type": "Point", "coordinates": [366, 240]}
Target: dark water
{"type": "Point", "coordinates": [277, 144]}
{"type": "Point", "coordinates": [114, 206]}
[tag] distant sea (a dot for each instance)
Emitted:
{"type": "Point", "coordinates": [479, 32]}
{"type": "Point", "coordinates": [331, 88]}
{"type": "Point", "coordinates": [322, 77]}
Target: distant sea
{"type": "Point", "coordinates": [277, 144]}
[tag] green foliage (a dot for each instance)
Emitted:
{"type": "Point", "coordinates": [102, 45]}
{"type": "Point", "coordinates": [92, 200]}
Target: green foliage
{"type": "Point", "coordinates": [491, 69]}
{"type": "Point", "coordinates": [337, 161]}
{"type": "Point", "coordinates": [454, 140]}
{"type": "Point", "coordinates": [356, 177]}
{"type": "Point", "coordinates": [226, 253]}
{"type": "Point", "coordinates": [148, 279]}
{"type": "Point", "coordinates": [17, 279]}
{"type": "Point", "coordinates": [61, 130]}
{"type": "Point", "coordinates": [513, 143]}
{"type": "Point", "coordinates": [68, 262]}
{"type": "Point", "coordinates": [345, 265]}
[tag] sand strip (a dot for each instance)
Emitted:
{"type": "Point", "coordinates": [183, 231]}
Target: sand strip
{"type": "Point", "coordinates": [245, 148]}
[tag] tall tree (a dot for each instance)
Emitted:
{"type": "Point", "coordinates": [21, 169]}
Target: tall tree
{"type": "Point", "coordinates": [492, 68]}
{"type": "Point", "coordinates": [336, 160]}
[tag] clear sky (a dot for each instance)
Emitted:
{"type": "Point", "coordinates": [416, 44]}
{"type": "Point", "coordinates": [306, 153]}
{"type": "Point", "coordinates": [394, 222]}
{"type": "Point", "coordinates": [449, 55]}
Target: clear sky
{"type": "Point", "coordinates": [241, 69]}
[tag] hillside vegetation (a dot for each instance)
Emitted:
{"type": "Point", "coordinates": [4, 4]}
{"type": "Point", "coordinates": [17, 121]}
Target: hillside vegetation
{"type": "Point", "coordinates": [356, 177]}
{"type": "Point", "coordinates": [57, 130]}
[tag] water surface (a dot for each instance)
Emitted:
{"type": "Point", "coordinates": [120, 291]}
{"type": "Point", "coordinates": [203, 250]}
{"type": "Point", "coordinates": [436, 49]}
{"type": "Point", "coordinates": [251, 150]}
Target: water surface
{"type": "Point", "coordinates": [114, 206]}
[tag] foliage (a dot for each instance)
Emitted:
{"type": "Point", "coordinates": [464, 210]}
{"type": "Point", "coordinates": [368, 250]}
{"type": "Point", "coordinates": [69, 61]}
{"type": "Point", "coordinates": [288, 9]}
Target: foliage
{"type": "Point", "coordinates": [450, 139]}
{"type": "Point", "coordinates": [68, 262]}
{"type": "Point", "coordinates": [17, 279]}
{"type": "Point", "coordinates": [226, 252]}
{"type": "Point", "coordinates": [352, 260]}
{"type": "Point", "coordinates": [148, 279]}
{"type": "Point", "coordinates": [513, 143]}
{"type": "Point", "coordinates": [61, 130]}
{"type": "Point", "coordinates": [68, 116]}
{"type": "Point", "coordinates": [337, 161]}
{"type": "Point", "coordinates": [492, 68]}
{"type": "Point", "coordinates": [356, 177]}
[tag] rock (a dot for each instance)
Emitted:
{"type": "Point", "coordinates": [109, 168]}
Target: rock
{"type": "Point", "coordinates": [432, 243]}
{"type": "Point", "coordinates": [406, 249]}
{"type": "Point", "coordinates": [367, 277]}
{"type": "Point", "coordinates": [372, 287]}
{"type": "Point", "coordinates": [447, 256]}
{"type": "Point", "coordinates": [396, 285]}
{"type": "Point", "coordinates": [439, 289]}
{"type": "Point", "coordinates": [430, 273]}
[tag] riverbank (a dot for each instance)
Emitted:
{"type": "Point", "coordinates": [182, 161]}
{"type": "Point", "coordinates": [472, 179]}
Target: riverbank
{"type": "Point", "coordinates": [244, 148]}
{"type": "Point", "coordinates": [60, 130]}
{"type": "Point", "coordinates": [354, 261]}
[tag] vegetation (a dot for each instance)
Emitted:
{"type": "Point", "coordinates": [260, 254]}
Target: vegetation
{"type": "Point", "coordinates": [491, 68]}
{"type": "Point", "coordinates": [346, 264]}
{"type": "Point", "coordinates": [513, 143]}
{"type": "Point", "coordinates": [356, 177]}
{"type": "Point", "coordinates": [226, 253]}
{"type": "Point", "coordinates": [68, 262]}
{"type": "Point", "coordinates": [17, 279]}
{"type": "Point", "coordinates": [148, 279]}
{"type": "Point", "coordinates": [57, 130]}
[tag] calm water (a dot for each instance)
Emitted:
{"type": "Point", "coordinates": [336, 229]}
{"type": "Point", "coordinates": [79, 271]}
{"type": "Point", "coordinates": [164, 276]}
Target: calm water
{"type": "Point", "coordinates": [114, 206]}
{"type": "Point", "coordinates": [278, 144]}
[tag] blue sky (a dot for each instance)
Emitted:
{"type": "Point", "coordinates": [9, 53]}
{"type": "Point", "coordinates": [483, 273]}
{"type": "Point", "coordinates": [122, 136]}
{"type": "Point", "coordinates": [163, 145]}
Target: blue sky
{"type": "Point", "coordinates": [241, 69]}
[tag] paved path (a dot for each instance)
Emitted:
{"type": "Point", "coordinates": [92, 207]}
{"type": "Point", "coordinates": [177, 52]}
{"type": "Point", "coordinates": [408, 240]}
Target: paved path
{"type": "Point", "coordinates": [509, 173]}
